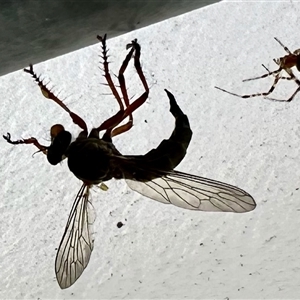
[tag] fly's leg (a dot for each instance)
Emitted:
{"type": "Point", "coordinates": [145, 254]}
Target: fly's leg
{"type": "Point", "coordinates": [31, 140]}
{"type": "Point", "coordinates": [129, 109]}
{"type": "Point", "coordinates": [110, 124]}
{"type": "Point", "coordinates": [49, 95]}
{"type": "Point", "coordinates": [106, 71]}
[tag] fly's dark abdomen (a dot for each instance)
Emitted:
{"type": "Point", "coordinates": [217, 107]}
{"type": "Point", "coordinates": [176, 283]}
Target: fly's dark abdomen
{"type": "Point", "coordinates": [90, 159]}
{"type": "Point", "coordinates": [171, 152]}
{"type": "Point", "coordinates": [166, 156]}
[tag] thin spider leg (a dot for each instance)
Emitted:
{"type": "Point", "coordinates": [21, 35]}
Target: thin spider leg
{"type": "Point", "coordinates": [254, 95]}
{"type": "Point", "coordinates": [274, 72]}
{"type": "Point", "coordinates": [297, 81]}
{"type": "Point", "coordinates": [49, 95]}
{"type": "Point", "coordinates": [106, 71]}
{"type": "Point", "coordinates": [282, 100]}
{"type": "Point", "coordinates": [269, 70]}
{"type": "Point", "coordinates": [31, 140]}
{"type": "Point", "coordinates": [285, 63]}
{"type": "Point", "coordinates": [284, 47]}
{"type": "Point", "coordinates": [265, 75]}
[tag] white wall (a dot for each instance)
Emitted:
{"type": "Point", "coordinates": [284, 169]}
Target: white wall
{"type": "Point", "coordinates": [163, 251]}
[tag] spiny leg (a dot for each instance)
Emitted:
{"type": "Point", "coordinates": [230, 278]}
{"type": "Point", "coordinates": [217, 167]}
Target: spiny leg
{"type": "Point", "coordinates": [112, 122]}
{"type": "Point", "coordinates": [106, 71]}
{"type": "Point", "coordinates": [49, 95]}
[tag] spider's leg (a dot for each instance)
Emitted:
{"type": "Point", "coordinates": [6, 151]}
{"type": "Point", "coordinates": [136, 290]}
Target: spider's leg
{"type": "Point", "coordinates": [287, 100]}
{"type": "Point", "coordinates": [297, 52]}
{"type": "Point", "coordinates": [274, 72]}
{"type": "Point", "coordinates": [284, 47]}
{"type": "Point", "coordinates": [265, 75]}
{"type": "Point", "coordinates": [277, 77]}
{"type": "Point", "coordinates": [297, 81]}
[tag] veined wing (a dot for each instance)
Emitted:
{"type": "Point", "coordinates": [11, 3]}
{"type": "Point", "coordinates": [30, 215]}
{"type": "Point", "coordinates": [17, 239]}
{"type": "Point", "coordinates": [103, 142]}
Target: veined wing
{"type": "Point", "coordinates": [194, 192]}
{"type": "Point", "coordinates": [77, 243]}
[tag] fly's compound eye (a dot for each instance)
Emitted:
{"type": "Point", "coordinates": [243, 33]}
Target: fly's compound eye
{"type": "Point", "coordinates": [60, 141]}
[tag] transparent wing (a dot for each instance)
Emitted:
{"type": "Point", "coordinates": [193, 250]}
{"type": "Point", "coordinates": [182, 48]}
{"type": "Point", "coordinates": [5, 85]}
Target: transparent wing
{"type": "Point", "coordinates": [77, 242]}
{"type": "Point", "coordinates": [194, 192]}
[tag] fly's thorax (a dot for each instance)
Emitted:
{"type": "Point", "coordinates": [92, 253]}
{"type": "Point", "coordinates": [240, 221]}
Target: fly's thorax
{"type": "Point", "coordinates": [91, 159]}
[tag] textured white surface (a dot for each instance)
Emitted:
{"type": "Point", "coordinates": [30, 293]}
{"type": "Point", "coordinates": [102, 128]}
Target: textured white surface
{"type": "Point", "coordinates": [163, 251]}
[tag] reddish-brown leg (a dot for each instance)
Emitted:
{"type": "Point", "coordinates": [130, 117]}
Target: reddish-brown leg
{"type": "Point", "coordinates": [106, 71]}
{"type": "Point", "coordinates": [49, 95]}
{"type": "Point", "coordinates": [31, 140]}
{"type": "Point", "coordinates": [110, 124]}
{"type": "Point", "coordinates": [113, 121]}
{"type": "Point", "coordinates": [130, 108]}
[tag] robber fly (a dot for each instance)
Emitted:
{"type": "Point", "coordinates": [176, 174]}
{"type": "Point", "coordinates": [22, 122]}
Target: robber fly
{"type": "Point", "coordinates": [95, 160]}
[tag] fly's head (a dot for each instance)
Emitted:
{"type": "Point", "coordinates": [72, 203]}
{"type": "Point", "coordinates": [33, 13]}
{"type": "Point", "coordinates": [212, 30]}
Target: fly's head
{"type": "Point", "coordinates": [60, 142]}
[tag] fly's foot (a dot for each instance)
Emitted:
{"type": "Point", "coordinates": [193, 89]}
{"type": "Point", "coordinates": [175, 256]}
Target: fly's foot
{"type": "Point", "coordinates": [8, 139]}
{"type": "Point", "coordinates": [132, 44]}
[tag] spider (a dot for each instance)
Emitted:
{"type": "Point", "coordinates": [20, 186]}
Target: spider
{"type": "Point", "coordinates": [95, 160]}
{"type": "Point", "coordinates": [285, 63]}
